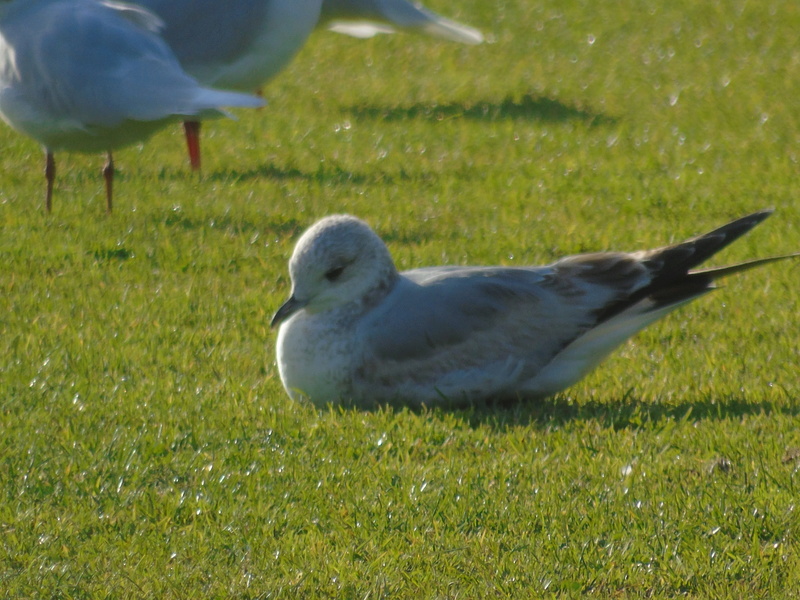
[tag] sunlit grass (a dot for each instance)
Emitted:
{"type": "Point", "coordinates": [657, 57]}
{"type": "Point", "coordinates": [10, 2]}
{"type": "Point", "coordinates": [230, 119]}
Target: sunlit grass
{"type": "Point", "coordinates": [148, 449]}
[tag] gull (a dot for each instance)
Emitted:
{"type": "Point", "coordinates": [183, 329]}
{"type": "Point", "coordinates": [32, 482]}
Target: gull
{"type": "Point", "coordinates": [357, 332]}
{"type": "Point", "coordinates": [94, 76]}
{"type": "Point", "coordinates": [236, 44]}
{"type": "Point", "coordinates": [366, 18]}
{"type": "Point", "coordinates": [242, 44]}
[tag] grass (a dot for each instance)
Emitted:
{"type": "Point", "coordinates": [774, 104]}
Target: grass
{"type": "Point", "coordinates": [148, 449]}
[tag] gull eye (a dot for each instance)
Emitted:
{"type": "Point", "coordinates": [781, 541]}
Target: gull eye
{"type": "Point", "coordinates": [334, 274]}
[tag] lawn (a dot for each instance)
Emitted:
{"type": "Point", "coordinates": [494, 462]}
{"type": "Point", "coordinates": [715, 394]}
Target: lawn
{"type": "Point", "coordinates": [148, 449]}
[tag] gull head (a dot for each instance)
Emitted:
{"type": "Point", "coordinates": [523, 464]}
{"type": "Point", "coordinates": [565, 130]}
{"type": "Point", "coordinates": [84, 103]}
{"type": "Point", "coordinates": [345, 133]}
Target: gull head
{"type": "Point", "coordinates": [336, 262]}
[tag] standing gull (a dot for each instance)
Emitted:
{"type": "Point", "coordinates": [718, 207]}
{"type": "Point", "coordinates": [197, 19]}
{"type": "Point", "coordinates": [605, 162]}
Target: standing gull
{"type": "Point", "coordinates": [357, 332]}
{"type": "Point", "coordinates": [242, 44]}
{"type": "Point", "coordinates": [236, 44]}
{"type": "Point", "coordinates": [366, 18]}
{"type": "Point", "coordinates": [92, 76]}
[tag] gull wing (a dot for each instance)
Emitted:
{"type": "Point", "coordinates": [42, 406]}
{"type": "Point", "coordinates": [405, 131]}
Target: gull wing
{"type": "Point", "coordinates": [482, 331]}
{"type": "Point", "coordinates": [203, 31]}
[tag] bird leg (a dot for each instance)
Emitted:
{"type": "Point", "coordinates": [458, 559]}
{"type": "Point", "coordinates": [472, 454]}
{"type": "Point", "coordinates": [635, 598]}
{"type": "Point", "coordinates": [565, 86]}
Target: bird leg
{"type": "Point", "coordinates": [50, 176]}
{"type": "Point", "coordinates": [108, 175]}
{"type": "Point", "coordinates": [192, 130]}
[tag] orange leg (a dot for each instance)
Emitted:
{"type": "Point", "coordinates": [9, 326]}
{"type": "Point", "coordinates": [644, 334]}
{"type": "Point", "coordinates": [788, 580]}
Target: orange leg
{"type": "Point", "coordinates": [192, 130]}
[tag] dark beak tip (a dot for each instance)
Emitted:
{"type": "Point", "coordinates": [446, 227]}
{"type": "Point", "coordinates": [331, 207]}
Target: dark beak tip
{"type": "Point", "coordinates": [291, 306]}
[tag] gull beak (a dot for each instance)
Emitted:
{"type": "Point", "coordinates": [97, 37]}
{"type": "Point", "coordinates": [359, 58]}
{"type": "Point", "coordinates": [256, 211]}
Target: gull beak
{"type": "Point", "coordinates": [291, 306]}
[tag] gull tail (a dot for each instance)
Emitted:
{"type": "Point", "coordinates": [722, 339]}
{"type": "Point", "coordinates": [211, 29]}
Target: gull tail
{"type": "Point", "coordinates": [672, 285]}
{"type": "Point", "coordinates": [360, 29]}
{"type": "Point", "coordinates": [676, 260]}
{"type": "Point", "coordinates": [452, 31]}
{"type": "Point", "coordinates": [211, 98]}
{"type": "Point", "coordinates": [673, 282]}
{"type": "Point", "coordinates": [674, 279]}
{"type": "Point", "coordinates": [653, 280]}
{"type": "Point", "coordinates": [208, 103]}
{"type": "Point", "coordinates": [386, 16]}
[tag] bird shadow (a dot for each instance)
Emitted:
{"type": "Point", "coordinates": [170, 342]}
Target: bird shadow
{"type": "Point", "coordinates": [325, 174]}
{"type": "Point", "coordinates": [626, 413]}
{"type": "Point", "coordinates": [226, 222]}
{"type": "Point", "coordinates": [560, 410]}
{"type": "Point", "coordinates": [529, 107]}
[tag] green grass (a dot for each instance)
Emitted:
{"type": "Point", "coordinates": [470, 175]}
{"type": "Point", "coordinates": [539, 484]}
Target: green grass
{"type": "Point", "coordinates": [148, 449]}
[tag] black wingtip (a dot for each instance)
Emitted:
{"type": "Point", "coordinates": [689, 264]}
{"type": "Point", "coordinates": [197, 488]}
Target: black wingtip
{"type": "Point", "coordinates": [674, 279]}
{"type": "Point", "coordinates": [674, 262]}
{"type": "Point", "coordinates": [712, 242]}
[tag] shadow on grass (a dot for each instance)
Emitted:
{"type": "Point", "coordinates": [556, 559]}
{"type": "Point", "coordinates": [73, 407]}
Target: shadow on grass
{"type": "Point", "coordinates": [528, 107]}
{"type": "Point", "coordinates": [104, 255]}
{"type": "Point", "coordinates": [623, 414]}
{"type": "Point", "coordinates": [228, 223]}
{"type": "Point", "coordinates": [626, 413]}
{"type": "Point", "coordinates": [326, 174]}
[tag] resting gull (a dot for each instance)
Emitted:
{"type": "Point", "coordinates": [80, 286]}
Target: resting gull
{"type": "Point", "coordinates": [355, 331]}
